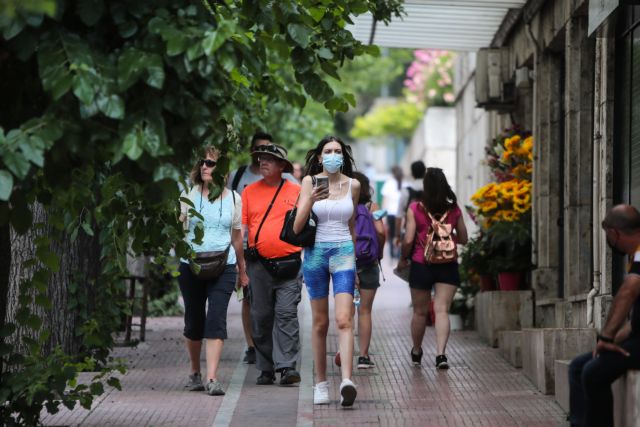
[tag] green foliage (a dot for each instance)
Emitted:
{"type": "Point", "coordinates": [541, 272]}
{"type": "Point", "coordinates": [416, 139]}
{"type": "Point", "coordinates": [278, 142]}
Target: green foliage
{"type": "Point", "coordinates": [476, 256]}
{"type": "Point", "coordinates": [399, 119]}
{"type": "Point", "coordinates": [510, 244]}
{"type": "Point", "coordinates": [110, 100]}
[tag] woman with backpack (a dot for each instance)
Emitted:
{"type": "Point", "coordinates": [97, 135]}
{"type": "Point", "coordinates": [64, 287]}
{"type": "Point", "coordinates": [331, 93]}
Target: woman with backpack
{"type": "Point", "coordinates": [434, 227]}
{"type": "Point", "coordinates": [370, 238]}
{"type": "Point", "coordinates": [332, 194]}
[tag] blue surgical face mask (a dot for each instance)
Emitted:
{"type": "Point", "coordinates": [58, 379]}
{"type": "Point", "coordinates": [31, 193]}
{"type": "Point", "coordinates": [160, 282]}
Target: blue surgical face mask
{"type": "Point", "coordinates": [332, 162]}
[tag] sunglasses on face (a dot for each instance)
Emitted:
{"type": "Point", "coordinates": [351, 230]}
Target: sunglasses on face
{"type": "Point", "coordinates": [207, 162]}
{"type": "Point", "coordinates": [267, 149]}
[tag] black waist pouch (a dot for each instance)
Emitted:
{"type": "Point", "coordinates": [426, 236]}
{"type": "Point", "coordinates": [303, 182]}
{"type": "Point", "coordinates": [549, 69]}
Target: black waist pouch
{"type": "Point", "coordinates": [285, 268]}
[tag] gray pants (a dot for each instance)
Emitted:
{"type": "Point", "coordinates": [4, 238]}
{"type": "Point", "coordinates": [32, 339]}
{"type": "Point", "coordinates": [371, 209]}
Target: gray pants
{"type": "Point", "coordinates": [274, 318]}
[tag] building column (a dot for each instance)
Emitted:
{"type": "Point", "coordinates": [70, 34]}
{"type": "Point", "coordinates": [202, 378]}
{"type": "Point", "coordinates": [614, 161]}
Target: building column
{"type": "Point", "coordinates": [603, 147]}
{"type": "Point", "coordinates": [578, 160]}
{"type": "Point", "coordinates": [547, 182]}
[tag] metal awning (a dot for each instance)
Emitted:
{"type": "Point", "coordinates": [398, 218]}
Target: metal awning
{"type": "Point", "coordinates": [463, 25]}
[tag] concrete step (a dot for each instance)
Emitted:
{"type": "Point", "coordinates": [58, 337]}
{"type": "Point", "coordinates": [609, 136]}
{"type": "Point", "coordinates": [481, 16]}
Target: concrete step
{"type": "Point", "coordinates": [626, 395]}
{"type": "Point", "coordinates": [510, 343]}
{"type": "Point", "coordinates": [542, 347]}
{"type": "Point", "coordinates": [502, 311]}
{"type": "Point", "coordinates": [561, 369]}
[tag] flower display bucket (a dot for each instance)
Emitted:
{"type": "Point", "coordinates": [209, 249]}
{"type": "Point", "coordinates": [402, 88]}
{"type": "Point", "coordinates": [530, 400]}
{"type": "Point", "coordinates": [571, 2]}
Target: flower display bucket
{"type": "Point", "coordinates": [510, 280]}
{"type": "Point", "coordinates": [455, 322]}
{"type": "Point", "coordinates": [487, 283]}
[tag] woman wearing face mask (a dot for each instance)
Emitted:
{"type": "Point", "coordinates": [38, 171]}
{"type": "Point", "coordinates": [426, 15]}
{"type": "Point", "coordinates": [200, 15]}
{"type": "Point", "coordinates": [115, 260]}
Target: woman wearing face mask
{"type": "Point", "coordinates": [331, 257]}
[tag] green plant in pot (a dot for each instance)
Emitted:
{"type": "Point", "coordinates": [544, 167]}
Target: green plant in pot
{"type": "Point", "coordinates": [477, 260]}
{"type": "Point", "coordinates": [510, 243]}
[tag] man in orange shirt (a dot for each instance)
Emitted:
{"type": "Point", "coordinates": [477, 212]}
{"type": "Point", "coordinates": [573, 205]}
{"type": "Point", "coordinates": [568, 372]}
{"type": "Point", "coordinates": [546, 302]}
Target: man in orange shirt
{"type": "Point", "coordinates": [272, 266]}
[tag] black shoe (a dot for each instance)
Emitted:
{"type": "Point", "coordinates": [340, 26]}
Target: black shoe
{"type": "Point", "coordinates": [441, 362]}
{"type": "Point", "coordinates": [416, 358]}
{"type": "Point", "coordinates": [364, 362]}
{"type": "Point", "coordinates": [289, 376]}
{"type": "Point", "coordinates": [250, 356]}
{"type": "Point", "coordinates": [266, 378]}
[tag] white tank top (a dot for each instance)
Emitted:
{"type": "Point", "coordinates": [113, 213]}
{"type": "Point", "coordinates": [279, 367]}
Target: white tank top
{"type": "Point", "coordinates": [333, 218]}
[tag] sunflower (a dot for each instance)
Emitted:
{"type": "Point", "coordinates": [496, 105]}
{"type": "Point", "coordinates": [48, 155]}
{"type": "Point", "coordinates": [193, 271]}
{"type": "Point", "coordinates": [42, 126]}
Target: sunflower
{"type": "Point", "coordinates": [521, 208]}
{"type": "Point", "coordinates": [488, 205]}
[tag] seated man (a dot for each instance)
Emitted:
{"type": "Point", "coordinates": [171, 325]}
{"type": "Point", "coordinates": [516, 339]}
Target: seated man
{"type": "Point", "coordinates": [618, 345]}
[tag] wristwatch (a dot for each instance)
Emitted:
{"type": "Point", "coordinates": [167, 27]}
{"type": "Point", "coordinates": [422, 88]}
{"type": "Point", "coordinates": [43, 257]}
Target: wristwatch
{"type": "Point", "coordinates": [604, 339]}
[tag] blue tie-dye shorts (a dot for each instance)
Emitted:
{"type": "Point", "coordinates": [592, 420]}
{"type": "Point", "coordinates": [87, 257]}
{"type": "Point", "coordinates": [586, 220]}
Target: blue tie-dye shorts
{"type": "Point", "coordinates": [325, 260]}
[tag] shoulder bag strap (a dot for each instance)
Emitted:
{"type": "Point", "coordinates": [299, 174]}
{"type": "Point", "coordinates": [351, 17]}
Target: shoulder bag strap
{"type": "Point", "coordinates": [255, 241]}
{"type": "Point", "coordinates": [238, 177]}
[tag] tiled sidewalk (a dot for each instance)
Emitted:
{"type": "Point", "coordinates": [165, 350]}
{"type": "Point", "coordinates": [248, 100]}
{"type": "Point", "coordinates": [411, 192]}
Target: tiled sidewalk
{"type": "Point", "coordinates": [479, 389]}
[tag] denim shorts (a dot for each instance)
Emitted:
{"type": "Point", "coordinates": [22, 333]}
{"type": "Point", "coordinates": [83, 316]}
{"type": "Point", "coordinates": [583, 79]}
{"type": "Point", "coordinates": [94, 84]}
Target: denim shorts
{"type": "Point", "coordinates": [327, 260]}
{"type": "Point", "coordinates": [206, 303]}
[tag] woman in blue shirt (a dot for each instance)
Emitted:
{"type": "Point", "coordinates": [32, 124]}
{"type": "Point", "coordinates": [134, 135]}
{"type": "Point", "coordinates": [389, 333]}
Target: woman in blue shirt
{"type": "Point", "coordinates": [222, 229]}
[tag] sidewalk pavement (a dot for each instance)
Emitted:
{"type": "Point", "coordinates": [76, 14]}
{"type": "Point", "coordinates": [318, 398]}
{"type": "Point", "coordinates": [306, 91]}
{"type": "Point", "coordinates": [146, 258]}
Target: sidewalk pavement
{"type": "Point", "coordinates": [480, 388]}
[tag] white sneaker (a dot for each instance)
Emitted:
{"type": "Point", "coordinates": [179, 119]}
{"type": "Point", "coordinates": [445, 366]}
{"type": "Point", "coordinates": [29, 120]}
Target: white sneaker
{"type": "Point", "coordinates": [321, 393]}
{"type": "Point", "coordinates": [348, 392]}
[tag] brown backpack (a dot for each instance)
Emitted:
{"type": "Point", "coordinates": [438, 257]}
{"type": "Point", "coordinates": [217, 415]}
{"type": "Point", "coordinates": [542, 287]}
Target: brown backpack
{"type": "Point", "coordinates": [440, 248]}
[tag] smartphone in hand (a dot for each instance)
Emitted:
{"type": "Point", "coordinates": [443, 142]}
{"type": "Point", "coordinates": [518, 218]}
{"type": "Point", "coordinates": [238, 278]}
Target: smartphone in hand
{"type": "Point", "coordinates": [322, 181]}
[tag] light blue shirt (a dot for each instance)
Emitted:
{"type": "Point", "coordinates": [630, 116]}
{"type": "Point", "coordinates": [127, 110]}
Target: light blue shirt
{"type": "Point", "coordinates": [220, 216]}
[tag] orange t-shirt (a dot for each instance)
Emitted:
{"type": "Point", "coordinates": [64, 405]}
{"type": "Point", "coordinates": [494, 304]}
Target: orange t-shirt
{"type": "Point", "coordinates": [255, 201]}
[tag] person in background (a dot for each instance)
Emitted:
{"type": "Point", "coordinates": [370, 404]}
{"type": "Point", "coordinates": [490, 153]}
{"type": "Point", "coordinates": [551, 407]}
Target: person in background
{"type": "Point", "coordinates": [617, 348]}
{"type": "Point", "coordinates": [331, 258]}
{"type": "Point", "coordinates": [390, 200]}
{"type": "Point", "coordinates": [297, 171]}
{"type": "Point", "coordinates": [437, 200]}
{"type": "Point", "coordinates": [409, 193]}
{"type": "Point", "coordinates": [222, 225]}
{"type": "Point", "coordinates": [274, 298]}
{"type": "Point", "coordinates": [370, 237]}
{"type": "Point", "coordinates": [238, 180]}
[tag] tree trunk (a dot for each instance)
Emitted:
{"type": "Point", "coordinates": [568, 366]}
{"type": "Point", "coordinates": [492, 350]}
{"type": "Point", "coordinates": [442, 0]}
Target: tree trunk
{"type": "Point", "coordinates": [5, 256]}
{"type": "Point", "coordinates": [79, 264]}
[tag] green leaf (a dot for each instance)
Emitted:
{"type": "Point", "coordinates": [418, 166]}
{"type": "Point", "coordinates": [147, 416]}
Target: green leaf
{"type": "Point", "coordinates": [212, 42]}
{"type": "Point", "coordinates": [87, 229]}
{"type": "Point", "coordinates": [237, 77]}
{"type": "Point", "coordinates": [14, 28]}
{"type": "Point", "coordinates": [112, 106]}
{"type": "Point", "coordinates": [16, 163]}
{"type": "Point", "coordinates": [317, 13]}
{"type": "Point", "coordinates": [90, 11]}
{"type": "Point", "coordinates": [127, 29]}
{"type": "Point", "coordinates": [82, 88]}
{"type": "Point", "coordinates": [33, 149]}
{"type": "Point", "coordinates": [351, 99]}
{"type": "Point", "coordinates": [325, 53]}
{"type": "Point", "coordinates": [48, 258]}
{"type": "Point", "coordinates": [6, 185]}
{"type": "Point", "coordinates": [132, 146]}
{"type": "Point", "coordinates": [301, 34]}
{"type": "Point", "coordinates": [155, 71]}
{"type": "Point", "coordinates": [61, 86]}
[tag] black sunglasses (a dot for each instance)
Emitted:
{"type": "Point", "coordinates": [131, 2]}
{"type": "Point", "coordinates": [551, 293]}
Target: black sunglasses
{"type": "Point", "coordinates": [208, 163]}
{"type": "Point", "coordinates": [267, 149]}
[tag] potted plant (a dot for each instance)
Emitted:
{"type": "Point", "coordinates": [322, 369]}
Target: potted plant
{"type": "Point", "coordinates": [510, 243]}
{"type": "Point", "coordinates": [477, 262]}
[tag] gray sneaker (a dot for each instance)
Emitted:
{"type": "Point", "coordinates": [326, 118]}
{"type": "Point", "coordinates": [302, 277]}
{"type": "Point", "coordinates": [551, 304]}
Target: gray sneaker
{"type": "Point", "coordinates": [214, 388]}
{"type": "Point", "coordinates": [195, 382]}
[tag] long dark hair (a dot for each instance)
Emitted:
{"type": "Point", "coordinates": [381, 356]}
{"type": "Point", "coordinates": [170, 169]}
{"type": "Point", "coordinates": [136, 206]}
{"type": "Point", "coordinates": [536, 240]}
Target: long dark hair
{"type": "Point", "coordinates": [365, 188]}
{"type": "Point", "coordinates": [438, 197]}
{"type": "Point", "coordinates": [313, 166]}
